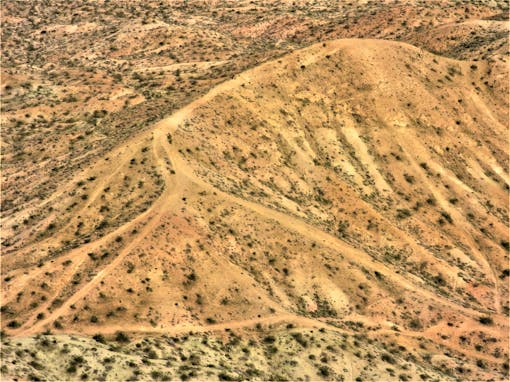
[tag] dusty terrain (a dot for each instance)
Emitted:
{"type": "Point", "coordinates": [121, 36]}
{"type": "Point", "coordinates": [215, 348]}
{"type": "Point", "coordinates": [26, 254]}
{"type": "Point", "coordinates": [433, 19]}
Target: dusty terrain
{"type": "Point", "coordinates": [270, 191]}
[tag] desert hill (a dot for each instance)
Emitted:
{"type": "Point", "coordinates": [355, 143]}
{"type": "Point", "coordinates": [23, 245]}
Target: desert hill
{"type": "Point", "coordinates": [356, 186]}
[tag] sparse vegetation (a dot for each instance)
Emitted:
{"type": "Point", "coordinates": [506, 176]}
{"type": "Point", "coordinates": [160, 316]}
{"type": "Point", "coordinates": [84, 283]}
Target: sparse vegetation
{"type": "Point", "coordinates": [337, 212]}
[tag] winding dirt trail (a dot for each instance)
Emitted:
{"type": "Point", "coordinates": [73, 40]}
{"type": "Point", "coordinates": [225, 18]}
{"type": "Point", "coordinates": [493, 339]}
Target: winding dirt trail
{"type": "Point", "coordinates": [183, 328]}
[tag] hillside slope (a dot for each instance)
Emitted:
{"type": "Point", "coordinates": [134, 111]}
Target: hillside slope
{"type": "Point", "coordinates": [355, 185]}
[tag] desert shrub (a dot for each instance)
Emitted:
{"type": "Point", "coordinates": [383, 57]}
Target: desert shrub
{"type": "Point", "coordinates": [71, 369]}
{"type": "Point", "coordinates": [403, 213]}
{"type": "Point", "coordinates": [122, 337]}
{"type": "Point", "coordinates": [486, 320]}
{"type": "Point", "coordinates": [409, 178]}
{"type": "Point", "coordinates": [415, 323]}
{"type": "Point", "coordinates": [14, 324]}
{"type": "Point", "coordinates": [99, 338]}
{"type": "Point", "coordinates": [342, 228]}
{"type": "Point", "coordinates": [225, 377]}
{"type": "Point", "coordinates": [447, 217]}
{"type": "Point", "coordinates": [298, 337]}
{"type": "Point", "coordinates": [388, 358]}
{"type": "Point", "coordinates": [325, 371]}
